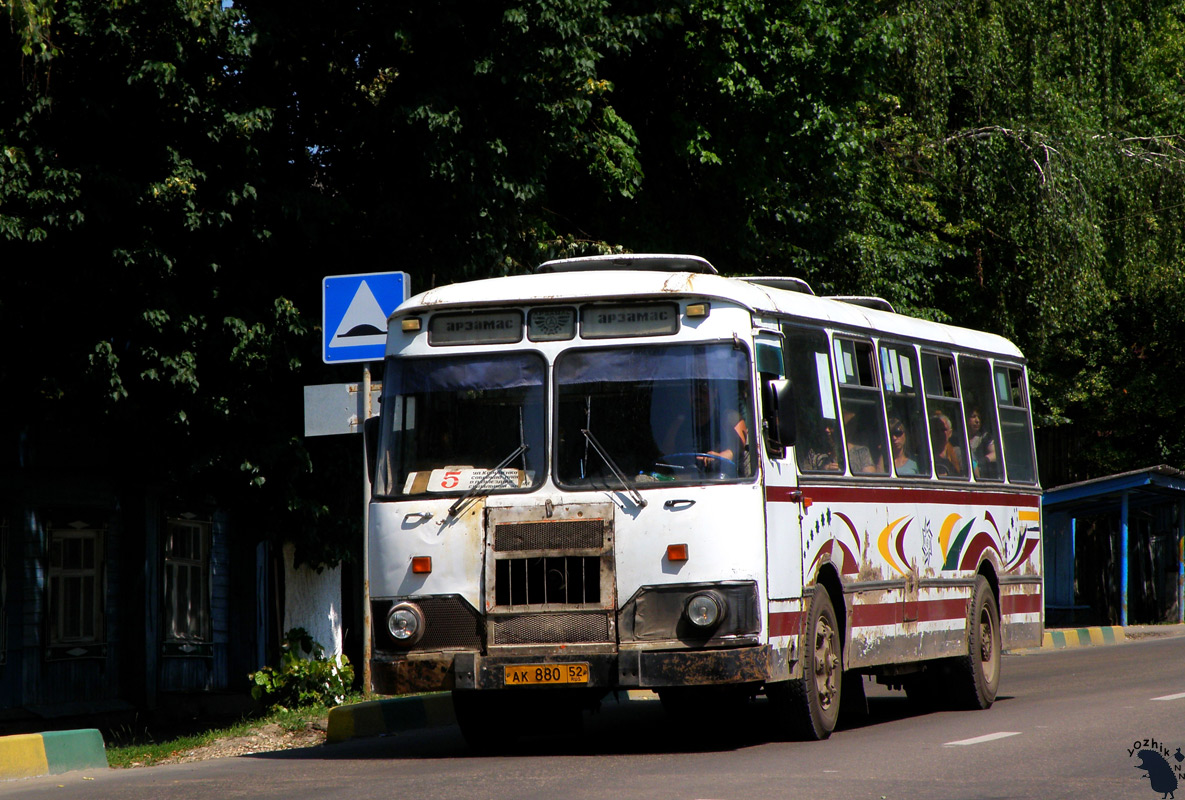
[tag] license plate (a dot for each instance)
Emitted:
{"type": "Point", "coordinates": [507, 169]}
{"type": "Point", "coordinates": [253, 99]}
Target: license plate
{"type": "Point", "coordinates": [540, 674]}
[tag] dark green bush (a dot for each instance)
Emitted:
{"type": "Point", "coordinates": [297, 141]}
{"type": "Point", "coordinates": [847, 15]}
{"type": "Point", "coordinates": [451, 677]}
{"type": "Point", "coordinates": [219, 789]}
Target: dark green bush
{"type": "Point", "coordinates": [305, 676]}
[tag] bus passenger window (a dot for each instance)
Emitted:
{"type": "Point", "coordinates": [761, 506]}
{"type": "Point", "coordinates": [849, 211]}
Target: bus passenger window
{"type": "Point", "coordinates": [983, 434]}
{"type": "Point", "coordinates": [808, 366]}
{"type": "Point", "coordinates": [946, 434]}
{"type": "Point", "coordinates": [908, 433]}
{"type": "Point", "coordinates": [1015, 424]}
{"type": "Point", "coordinates": [863, 414]}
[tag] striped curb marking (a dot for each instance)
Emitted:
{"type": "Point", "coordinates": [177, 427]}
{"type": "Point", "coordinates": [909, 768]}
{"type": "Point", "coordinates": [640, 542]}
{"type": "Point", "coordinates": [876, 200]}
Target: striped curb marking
{"type": "Point", "coordinates": [1083, 637]}
{"type": "Point", "coordinates": [29, 755]}
{"type": "Point", "coordinates": [384, 716]}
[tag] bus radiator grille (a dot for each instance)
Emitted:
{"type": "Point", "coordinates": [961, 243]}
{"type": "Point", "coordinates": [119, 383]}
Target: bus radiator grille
{"type": "Point", "coordinates": [543, 580]}
{"type": "Point", "coordinates": [582, 534]}
{"type": "Point", "coordinates": [549, 629]}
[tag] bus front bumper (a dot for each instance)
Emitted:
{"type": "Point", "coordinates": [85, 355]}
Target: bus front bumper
{"type": "Point", "coordinates": [627, 669]}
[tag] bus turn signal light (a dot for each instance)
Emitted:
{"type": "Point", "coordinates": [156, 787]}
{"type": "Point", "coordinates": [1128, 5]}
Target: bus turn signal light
{"type": "Point", "coordinates": [676, 552]}
{"type": "Point", "coordinates": [798, 497]}
{"type": "Point", "coordinates": [410, 324]}
{"type": "Point", "coordinates": [421, 565]}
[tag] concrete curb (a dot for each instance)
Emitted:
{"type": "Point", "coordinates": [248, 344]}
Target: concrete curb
{"type": "Point", "coordinates": [1059, 638]}
{"type": "Point", "coordinates": [29, 755]}
{"type": "Point", "coordinates": [376, 717]}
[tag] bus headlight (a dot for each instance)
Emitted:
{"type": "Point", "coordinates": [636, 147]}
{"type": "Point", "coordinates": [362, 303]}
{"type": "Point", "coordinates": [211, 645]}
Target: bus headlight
{"type": "Point", "coordinates": [704, 610]}
{"type": "Point", "coordinates": [405, 623]}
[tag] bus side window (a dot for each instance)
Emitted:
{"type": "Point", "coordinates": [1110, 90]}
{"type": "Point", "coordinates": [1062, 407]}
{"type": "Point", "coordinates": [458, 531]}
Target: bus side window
{"type": "Point", "coordinates": [1014, 424]}
{"type": "Point", "coordinates": [909, 436]}
{"type": "Point", "coordinates": [777, 423]}
{"type": "Point", "coordinates": [863, 412]}
{"type": "Point", "coordinates": [948, 444]}
{"type": "Point", "coordinates": [816, 422]}
{"type": "Point", "coordinates": [979, 410]}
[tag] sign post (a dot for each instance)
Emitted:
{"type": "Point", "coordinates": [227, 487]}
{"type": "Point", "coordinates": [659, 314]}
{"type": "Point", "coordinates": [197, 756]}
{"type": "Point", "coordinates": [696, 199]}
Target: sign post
{"type": "Point", "coordinates": [354, 312]}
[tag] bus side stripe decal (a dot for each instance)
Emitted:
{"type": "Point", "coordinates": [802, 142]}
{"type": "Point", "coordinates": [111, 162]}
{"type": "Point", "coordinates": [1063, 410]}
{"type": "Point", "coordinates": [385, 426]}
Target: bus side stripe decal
{"type": "Point", "coordinates": [1020, 604]}
{"type": "Point", "coordinates": [948, 525]}
{"type": "Point", "coordinates": [905, 494]}
{"type": "Point", "coordinates": [980, 543]}
{"type": "Point", "coordinates": [784, 623]}
{"type": "Point", "coordinates": [872, 615]}
{"type": "Point", "coordinates": [869, 615]}
{"type": "Point", "coordinates": [952, 555]}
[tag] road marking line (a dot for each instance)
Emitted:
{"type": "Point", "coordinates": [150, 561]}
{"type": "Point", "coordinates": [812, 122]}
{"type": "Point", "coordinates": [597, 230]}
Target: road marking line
{"type": "Point", "coordinates": [1177, 696]}
{"type": "Point", "coordinates": [990, 737]}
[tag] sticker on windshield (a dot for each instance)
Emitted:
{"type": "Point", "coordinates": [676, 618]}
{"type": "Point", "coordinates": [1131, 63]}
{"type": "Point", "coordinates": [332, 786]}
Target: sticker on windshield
{"type": "Point", "coordinates": [463, 479]}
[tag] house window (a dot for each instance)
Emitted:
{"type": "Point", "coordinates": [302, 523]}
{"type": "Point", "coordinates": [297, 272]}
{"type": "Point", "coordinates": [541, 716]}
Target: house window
{"type": "Point", "coordinates": [75, 588]}
{"type": "Point", "coordinates": [187, 586]}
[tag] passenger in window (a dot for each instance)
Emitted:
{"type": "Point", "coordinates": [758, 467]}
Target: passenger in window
{"type": "Point", "coordinates": [948, 459]}
{"type": "Point", "coordinates": [826, 458]}
{"type": "Point", "coordinates": [859, 456]}
{"type": "Point", "coordinates": [902, 463]}
{"type": "Point", "coordinates": [984, 461]}
{"type": "Point", "coordinates": [822, 455]}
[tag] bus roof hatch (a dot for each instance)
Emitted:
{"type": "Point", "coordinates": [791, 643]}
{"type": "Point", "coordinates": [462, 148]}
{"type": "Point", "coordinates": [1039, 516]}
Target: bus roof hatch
{"type": "Point", "coordinates": [630, 261]}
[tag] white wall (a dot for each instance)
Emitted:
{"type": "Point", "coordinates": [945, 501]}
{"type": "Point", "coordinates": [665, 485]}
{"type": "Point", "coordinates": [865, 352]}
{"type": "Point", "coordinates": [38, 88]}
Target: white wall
{"type": "Point", "coordinates": [313, 601]}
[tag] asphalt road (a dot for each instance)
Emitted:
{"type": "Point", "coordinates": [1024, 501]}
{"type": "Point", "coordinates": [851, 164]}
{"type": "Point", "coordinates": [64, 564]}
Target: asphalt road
{"type": "Point", "coordinates": [1062, 727]}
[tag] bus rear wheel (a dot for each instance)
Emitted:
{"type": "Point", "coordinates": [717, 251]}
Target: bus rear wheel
{"type": "Point", "coordinates": [976, 676]}
{"type": "Point", "coordinates": [812, 702]}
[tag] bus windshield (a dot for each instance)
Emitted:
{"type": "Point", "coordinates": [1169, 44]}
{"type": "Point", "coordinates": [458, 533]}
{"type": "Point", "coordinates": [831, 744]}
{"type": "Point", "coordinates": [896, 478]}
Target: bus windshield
{"type": "Point", "coordinates": [662, 414]}
{"type": "Point", "coordinates": [456, 424]}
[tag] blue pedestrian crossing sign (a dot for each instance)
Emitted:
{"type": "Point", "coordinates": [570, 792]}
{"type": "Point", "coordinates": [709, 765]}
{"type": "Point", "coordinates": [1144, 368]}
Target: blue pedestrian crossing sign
{"type": "Point", "coordinates": [354, 313]}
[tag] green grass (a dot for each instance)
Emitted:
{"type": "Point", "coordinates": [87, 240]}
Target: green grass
{"type": "Point", "coordinates": [142, 748]}
{"type": "Point", "coordinates": [145, 754]}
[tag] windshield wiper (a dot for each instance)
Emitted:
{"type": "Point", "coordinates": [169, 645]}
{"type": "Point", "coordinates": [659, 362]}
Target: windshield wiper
{"type": "Point", "coordinates": [496, 472]}
{"type": "Point", "coordinates": [634, 494]}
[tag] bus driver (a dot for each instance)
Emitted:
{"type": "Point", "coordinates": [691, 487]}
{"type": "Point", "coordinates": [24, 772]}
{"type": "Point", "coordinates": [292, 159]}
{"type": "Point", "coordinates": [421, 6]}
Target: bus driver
{"type": "Point", "coordinates": [717, 435]}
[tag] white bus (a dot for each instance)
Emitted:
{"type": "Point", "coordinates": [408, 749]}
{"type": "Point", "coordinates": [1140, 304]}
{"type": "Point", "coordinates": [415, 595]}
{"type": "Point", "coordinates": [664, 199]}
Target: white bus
{"type": "Point", "coordinates": [630, 472]}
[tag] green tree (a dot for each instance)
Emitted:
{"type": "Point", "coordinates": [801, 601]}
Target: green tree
{"type": "Point", "coordinates": [157, 341]}
{"type": "Point", "coordinates": [1048, 130]}
{"type": "Point", "coordinates": [175, 178]}
{"type": "Point", "coordinates": [442, 137]}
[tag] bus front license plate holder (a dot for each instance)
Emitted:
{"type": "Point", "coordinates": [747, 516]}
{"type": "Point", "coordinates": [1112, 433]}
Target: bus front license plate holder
{"type": "Point", "coordinates": [546, 674]}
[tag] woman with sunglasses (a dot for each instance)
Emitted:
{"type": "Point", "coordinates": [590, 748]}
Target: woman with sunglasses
{"type": "Point", "coordinates": [902, 463]}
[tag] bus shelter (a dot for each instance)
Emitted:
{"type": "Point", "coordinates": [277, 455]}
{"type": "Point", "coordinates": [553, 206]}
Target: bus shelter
{"type": "Point", "coordinates": [1115, 549]}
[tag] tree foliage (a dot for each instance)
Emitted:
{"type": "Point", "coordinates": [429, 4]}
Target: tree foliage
{"type": "Point", "coordinates": [177, 175]}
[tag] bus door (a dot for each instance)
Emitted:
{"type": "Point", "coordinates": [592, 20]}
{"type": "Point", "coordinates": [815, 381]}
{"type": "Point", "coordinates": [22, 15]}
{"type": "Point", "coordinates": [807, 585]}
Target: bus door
{"type": "Point", "coordinates": [782, 528]}
{"type": "Point", "coordinates": [824, 534]}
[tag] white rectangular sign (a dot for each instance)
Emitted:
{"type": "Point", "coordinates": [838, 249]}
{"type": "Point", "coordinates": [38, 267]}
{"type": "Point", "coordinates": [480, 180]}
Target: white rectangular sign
{"type": "Point", "coordinates": [334, 408]}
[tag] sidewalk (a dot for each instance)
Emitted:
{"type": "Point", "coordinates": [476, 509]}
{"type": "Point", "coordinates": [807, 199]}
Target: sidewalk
{"type": "Point", "coordinates": [1058, 638]}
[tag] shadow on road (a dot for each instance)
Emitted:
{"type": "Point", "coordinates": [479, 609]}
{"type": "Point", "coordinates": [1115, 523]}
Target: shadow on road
{"type": "Point", "coordinates": [626, 728]}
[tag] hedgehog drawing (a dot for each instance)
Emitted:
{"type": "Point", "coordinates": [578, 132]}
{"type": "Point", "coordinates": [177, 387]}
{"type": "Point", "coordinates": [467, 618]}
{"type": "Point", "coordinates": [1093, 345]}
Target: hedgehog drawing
{"type": "Point", "coordinates": [1158, 772]}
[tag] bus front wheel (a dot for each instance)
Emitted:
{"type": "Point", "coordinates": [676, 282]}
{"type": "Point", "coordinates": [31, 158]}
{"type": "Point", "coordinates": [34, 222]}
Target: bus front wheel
{"type": "Point", "coordinates": [812, 702]}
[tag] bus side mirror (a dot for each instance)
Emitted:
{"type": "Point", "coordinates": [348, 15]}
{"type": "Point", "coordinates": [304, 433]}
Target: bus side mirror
{"type": "Point", "coordinates": [787, 428]}
{"type": "Point", "coordinates": [370, 438]}
{"type": "Point", "coordinates": [778, 407]}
